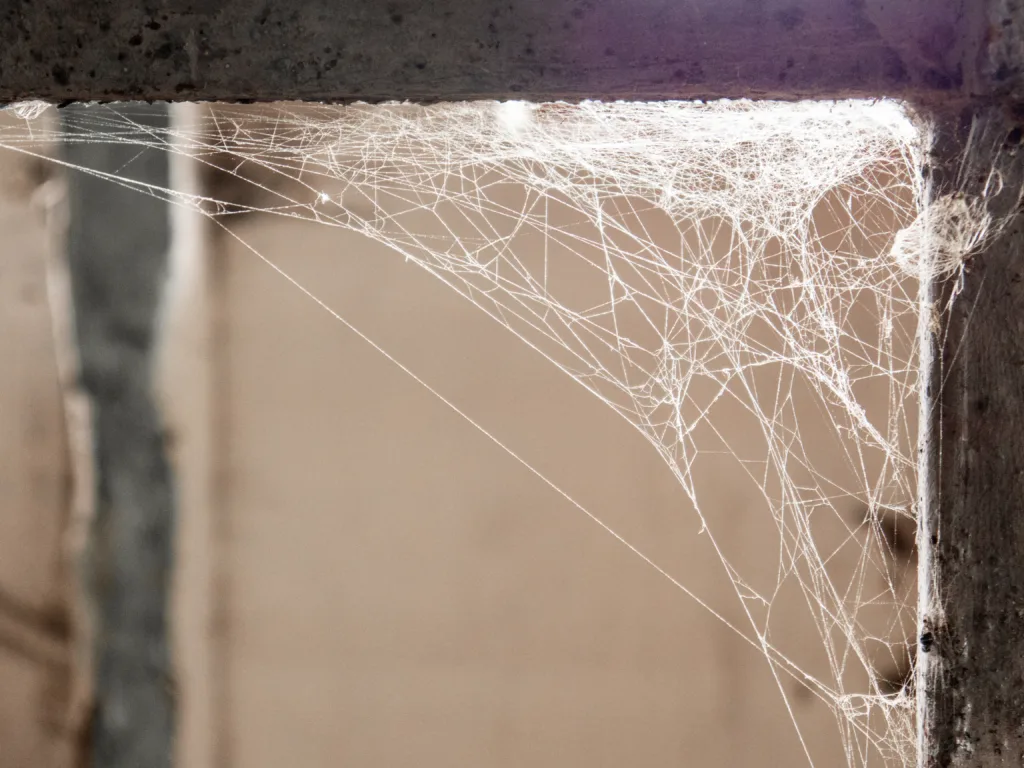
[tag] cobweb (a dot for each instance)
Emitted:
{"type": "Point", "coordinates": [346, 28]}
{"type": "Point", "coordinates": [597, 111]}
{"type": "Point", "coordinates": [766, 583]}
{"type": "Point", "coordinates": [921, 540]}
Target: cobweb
{"type": "Point", "coordinates": [728, 277]}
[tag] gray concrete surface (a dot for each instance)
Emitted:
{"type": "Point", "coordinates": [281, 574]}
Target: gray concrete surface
{"type": "Point", "coordinates": [972, 514]}
{"type": "Point", "coordinates": [925, 50]}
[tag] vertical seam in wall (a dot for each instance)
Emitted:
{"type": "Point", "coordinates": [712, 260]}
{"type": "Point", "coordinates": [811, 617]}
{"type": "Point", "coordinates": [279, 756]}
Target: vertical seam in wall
{"type": "Point", "coordinates": [220, 455]}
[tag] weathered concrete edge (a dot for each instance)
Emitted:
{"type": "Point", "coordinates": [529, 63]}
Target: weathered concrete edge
{"type": "Point", "coordinates": [365, 50]}
{"type": "Point", "coordinates": [970, 673]}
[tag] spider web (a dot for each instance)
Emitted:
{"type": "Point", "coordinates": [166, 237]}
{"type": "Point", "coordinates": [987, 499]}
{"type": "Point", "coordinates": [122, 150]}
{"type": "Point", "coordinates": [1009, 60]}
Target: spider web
{"type": "Point", "coordinates": [737, 280]}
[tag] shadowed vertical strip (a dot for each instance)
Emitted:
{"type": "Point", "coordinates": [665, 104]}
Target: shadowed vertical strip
{"type": "Point", "coordinates": [117, 249]}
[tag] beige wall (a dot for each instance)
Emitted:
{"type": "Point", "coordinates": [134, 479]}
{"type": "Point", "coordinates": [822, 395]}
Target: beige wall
{"type": "Point", "coordinates": [34, 485]}
{"type": "Point", "coordinates": [364, 578]}
{"type": "Point", "coordinates": [398, 590]}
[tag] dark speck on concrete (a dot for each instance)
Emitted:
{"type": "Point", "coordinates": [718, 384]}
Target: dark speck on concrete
{"type": "Point", "coordinates": [790, 18]}
{"type": "Point", "coordinates": [927, 640]}
{"type": "Point", "coordinates": [940, 81]}
{"type": "Point", "coordinates": [60, 74]}
{"type": "Point", "coordinates": [894, 68]}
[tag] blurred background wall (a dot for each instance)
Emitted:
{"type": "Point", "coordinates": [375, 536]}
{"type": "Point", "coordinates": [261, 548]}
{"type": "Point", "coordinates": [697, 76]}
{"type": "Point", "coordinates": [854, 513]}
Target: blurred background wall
{"type": "Point", "coordinates": [363, 578]}
{"type": "Point", "coordinates": [35, 485]}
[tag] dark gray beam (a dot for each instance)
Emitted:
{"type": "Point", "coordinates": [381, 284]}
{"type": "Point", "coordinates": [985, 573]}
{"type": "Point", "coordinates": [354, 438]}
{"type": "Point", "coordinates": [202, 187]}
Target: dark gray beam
{"type": "Point", "coordinates": [427, 50]}
{"type": "Point", "coordinates": [970, 673]}
{"type": "Point", "coordinates": [971, 650]}
{"type": "Point", "coordinates": [117, 249]}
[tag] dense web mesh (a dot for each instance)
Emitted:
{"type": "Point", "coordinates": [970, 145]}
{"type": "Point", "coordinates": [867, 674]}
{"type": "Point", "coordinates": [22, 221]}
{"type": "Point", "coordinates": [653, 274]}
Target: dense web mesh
{"type": "Point", "coordinates": [737, 280]}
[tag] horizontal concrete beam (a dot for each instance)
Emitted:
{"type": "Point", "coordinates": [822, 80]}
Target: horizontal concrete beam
{"type": "Point", "coordinates": [929, 51]}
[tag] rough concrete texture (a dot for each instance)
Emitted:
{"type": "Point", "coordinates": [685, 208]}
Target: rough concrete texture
{"type": "Point", "coordinates": [1000, 63]}
{"type": "Point", "coordinates": [972, 519]}
{"type": "Point", "coordinates": [470, 49]}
